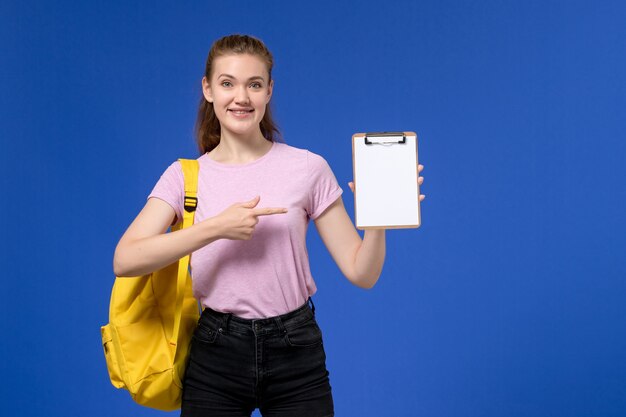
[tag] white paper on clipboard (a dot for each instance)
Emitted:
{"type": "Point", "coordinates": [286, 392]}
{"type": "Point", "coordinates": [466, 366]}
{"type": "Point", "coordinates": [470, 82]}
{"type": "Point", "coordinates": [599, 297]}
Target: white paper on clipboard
{"type": "Point", "coordinates": [385, 179]}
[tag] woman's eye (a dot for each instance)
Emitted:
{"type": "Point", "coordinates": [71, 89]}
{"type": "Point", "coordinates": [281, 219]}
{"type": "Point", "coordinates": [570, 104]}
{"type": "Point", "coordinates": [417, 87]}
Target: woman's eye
{"type": "Point", "coordinates": [226, 84]}
{"type": "Point", "coordinates": [255, 85]}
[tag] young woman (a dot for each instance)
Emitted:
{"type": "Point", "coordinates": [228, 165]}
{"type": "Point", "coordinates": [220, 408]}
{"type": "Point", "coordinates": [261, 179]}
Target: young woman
{"type": "Point", "coordinates": [257, 344]}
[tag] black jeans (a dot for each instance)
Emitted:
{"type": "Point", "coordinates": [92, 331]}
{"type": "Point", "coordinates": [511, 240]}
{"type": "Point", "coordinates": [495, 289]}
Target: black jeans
{"type": "Point", "coordinates": [277, 365]}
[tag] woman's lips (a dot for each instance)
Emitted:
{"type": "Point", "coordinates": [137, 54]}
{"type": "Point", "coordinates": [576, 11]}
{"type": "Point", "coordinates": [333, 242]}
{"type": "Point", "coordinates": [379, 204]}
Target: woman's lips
{"type": "Point", "coordinates": [241, 114]}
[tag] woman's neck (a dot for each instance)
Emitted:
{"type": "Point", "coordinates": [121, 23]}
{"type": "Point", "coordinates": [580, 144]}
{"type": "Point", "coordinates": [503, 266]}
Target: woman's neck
{"type": "Point", "coordinates": [235, 150]}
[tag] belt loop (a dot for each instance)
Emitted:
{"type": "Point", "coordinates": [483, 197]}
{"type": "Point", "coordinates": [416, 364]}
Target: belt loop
{"type": "Point", "coordinates": [226, 321]}
{"type": "Point", "coordinates": [280, 325]}
{"type": "Point", "coordinates": [310, 301]}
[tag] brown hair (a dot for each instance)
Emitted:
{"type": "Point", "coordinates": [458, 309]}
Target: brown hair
{"type": "Point", "coordinates": [207, 127]}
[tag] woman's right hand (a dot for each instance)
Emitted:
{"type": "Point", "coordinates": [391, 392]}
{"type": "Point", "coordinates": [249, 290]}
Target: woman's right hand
{"type": "Point", "coordinates": [238, 221]}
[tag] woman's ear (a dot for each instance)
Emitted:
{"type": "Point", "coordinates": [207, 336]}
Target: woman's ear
{"type": "Point", "coordinates": [206, 90]}
{"type": "Point", "coordinates": [270, 89]}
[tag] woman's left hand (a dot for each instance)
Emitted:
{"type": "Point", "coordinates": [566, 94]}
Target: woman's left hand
{"type": "Point", "coordinates": [420, 181]}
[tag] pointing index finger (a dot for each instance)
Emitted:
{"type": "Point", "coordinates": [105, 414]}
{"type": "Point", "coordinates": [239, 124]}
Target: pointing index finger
{"type": "Point", "coordinates": [267, 211]}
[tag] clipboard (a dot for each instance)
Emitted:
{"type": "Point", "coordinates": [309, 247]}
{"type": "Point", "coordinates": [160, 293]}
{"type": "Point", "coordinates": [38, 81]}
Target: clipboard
{"type": "Point", "coordinates": [385, 180]}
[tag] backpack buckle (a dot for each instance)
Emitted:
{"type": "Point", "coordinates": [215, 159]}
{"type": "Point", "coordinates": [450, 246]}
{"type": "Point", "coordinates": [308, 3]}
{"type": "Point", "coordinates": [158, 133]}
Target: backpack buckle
{"type": "Point", "coordinates": [191, 203]}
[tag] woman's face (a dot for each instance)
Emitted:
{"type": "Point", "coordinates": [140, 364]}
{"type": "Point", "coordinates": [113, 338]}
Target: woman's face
{"type": "Point", "coordinates": [239, 90]}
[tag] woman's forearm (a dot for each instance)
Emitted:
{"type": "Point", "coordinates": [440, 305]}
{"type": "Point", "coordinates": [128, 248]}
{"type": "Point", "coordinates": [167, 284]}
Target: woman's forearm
{"type": "Point", "coordinates": [370, 258]}
{"type": "Point", "coordinates": [152, 253]}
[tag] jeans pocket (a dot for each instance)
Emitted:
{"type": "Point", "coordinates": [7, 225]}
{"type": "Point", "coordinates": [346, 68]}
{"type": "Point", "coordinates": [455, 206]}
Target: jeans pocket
{"type": "Point", "coordinates": [307, 334]}
{"type": "Point", "coordinates": [205, 334]}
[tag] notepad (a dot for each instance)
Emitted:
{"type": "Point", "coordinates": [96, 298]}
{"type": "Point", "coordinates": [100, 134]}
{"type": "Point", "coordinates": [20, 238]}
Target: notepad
{"type": "Point", "coordinates": [385, 179]}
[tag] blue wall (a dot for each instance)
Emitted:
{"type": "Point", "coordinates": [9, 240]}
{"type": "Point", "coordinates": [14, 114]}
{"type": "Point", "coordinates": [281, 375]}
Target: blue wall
{"type": "Point", "coordinates": [508, 301]}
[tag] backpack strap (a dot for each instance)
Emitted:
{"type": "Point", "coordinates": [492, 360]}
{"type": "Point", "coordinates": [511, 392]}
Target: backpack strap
{"type": "Point", "coordinates": [190, 172]}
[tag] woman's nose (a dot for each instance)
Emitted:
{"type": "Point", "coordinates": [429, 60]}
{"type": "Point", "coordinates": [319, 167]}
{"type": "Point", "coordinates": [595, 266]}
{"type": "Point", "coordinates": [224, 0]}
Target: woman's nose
{"type": "Point", "coordinates": [242, 95]}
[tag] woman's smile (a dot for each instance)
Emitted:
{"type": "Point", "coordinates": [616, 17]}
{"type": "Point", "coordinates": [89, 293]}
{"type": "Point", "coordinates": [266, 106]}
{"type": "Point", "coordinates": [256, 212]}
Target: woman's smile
{"type": "Point", "coordinates": [241, 113]}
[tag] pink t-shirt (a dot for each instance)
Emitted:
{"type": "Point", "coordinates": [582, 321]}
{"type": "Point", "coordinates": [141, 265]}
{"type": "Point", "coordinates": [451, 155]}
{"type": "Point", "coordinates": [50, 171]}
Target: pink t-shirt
{"type": "Point", "coordinates": [269, 274]}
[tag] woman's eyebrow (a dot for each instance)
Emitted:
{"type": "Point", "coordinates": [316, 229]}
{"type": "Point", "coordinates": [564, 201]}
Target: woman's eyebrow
{"type": "Point", "coordinates": [256, 77]}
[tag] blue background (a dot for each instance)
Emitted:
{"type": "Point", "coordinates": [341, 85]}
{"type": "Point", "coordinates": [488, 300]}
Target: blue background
{"type": "Point", "coordinates": [508, 301]}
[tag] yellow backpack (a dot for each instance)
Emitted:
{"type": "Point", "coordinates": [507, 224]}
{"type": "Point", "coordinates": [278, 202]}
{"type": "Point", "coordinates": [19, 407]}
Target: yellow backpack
{"type": "Point", "coordinates": [151, 320]}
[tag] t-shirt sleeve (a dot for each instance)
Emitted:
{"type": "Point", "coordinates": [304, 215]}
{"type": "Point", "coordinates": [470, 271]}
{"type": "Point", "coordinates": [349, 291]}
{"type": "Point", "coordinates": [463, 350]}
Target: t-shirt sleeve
{"type": "Point", "coordinates": [171, 189]}
{"type": "Point", "coordinates": [323, 186]}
